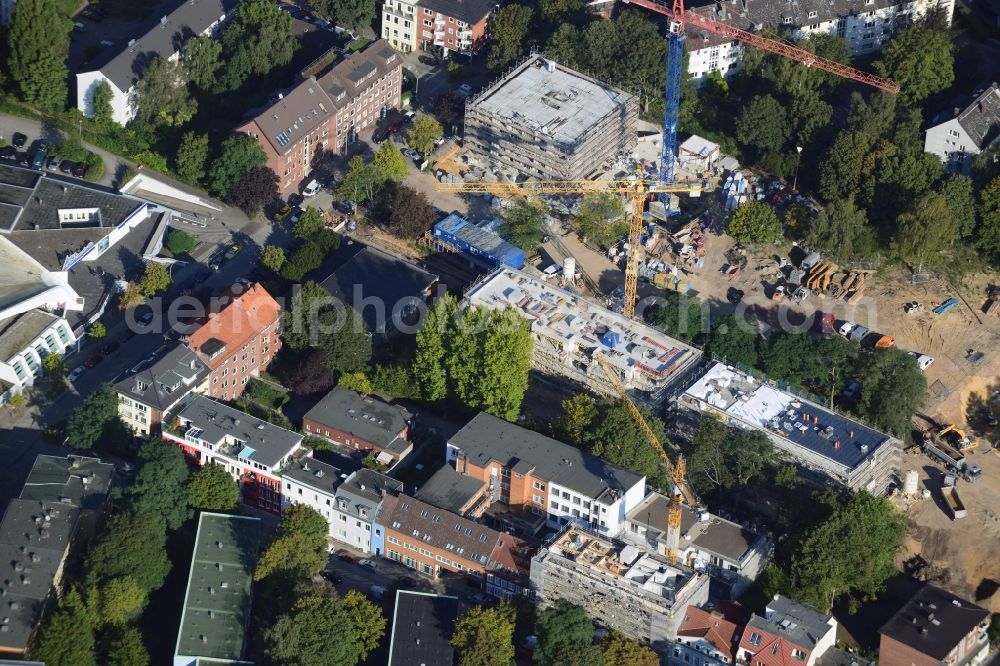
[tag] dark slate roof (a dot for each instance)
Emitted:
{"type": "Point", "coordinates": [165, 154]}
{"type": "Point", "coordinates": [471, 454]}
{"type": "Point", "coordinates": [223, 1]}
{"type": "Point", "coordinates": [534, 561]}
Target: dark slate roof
{"type": "Point", "coordinates": [373, 276]}
{"type": "Point", "coordinates": [469, 11]}
{"type": "Point", "coordinates": [450, 490]}
{"type": "Point", "coordinates": [366, 418]}
{"type": "Point", "coordinates": [934, 621]}
{"type": "Point", "coordinates": [422, 626]}
{"type": "Point", "coordinates": [348, 76]}
{"type": "Point", "coordinates": [164, 36]}
{"type": "Point", "coordinates": [264, 442]}
{"type": "Point", "coordinates": [488, 438]}
{"type": "Point", "coordinates": [165, 377]}
{"type": "Point", "coordinates": [794, 622]}
{"type": "Point", "coordinates": [367, 487]}
{"type": "Point", "coordinates": [36, 531]}
{"type": "Point", "coordinates": [314, 474]}
{"type": "Point", "coordinates": [981, 119]}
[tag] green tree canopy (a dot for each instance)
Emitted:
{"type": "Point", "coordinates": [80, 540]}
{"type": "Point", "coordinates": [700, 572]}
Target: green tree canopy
{"type": "Point", "coordinates": [851, 554]}
{"type": "Point", "coordinates": [841, 230]}
{"type": "Point", "coordinates": [258, 39]}
{"type": "Point", "coordinates": [564, 45]}
{"type": "Point", "coordinates": [366, 619]}
{"type": "Point", "coordinates": [97, 331]}
{"type": "Point", "coordinates": [988, 234]}
{"type": "Point", "coordinates": [239, 154]}
{"type": "Point", "coordinates": [428, 364]}
{"type": "Point", "coordinates": [754, 223]}
{"type": "Point", "coordinates": [763, 124]}
{"type": "Point", "coordinates": [192, 154]}
{"type": "Point", "coordinates": [360, 182]}
{"type": "Point", "coordinates": [894, 390]}
{"type": "Point", "coordinates": [356, 381]}
{"type": "Point", "coordinates": [524, 224]}
{"type": "Point", "coordinates": [485, 636]}
{"type": "Point", "coordinates": [272, 258]}
{"type": "Point", "coordinates": [121, 600]}
{"type": "Point", "coordinates": [310, 224]}
{"type": "Point", "coordinates": [131, 297]}
{"type": "Point", "coordinates": [155, 279]}
{"type": "Point", "coordinates": [164, 98]}
{"type": "Point", "coordinates": [412, 214]}
{"type": "Point", "coordinates": [67, 639]}
{"type": "Point", "coordinates": [54, 365]}
{"type": "Point", "coordinates": [127, 649]}
{"type": "Point", "coordinates": [100, 101]}
{"type": "Point", "coordinates": [841, 170]}
{"type": "Point", "coordinates": [132, 544]}
{"type": "Point", "coordinates": [299, 551]}
{"type": "Point", "coordinates": [212, 488]}
{"type": "Point", "coordinates": [355, 14]}
{"type": "Point", "coordinates": [253, 190]}
{"type": "Point", "coordinates": [562, 623]}
{"type": "Point", "coordinates": [180, 242]}
{"type": "Point", "coordinates": [390, 163]}
{"type": "Point", "coordinates": [38, 43]}
{"type": "Point", "coordinates": [733, 341]}
{"type": "Point", "coordinates": [159, 488]}
{"type": "Point", "coordinates": [578, 415]}
{"type": "Point", "coordinates": [95, 424]}
{"type": "Point", "coordinates": [317, 631]}
{"type": "Point", "coordinates": [510, 30]}
{"type": "Point", "coordinates": [203, 60]}
{"type": "Point", "coordinates": [683, 317]}
{"type": "Point", "coordinates": [615, 436]}
{"type": "Point", "coordinates": [601, 219]}
{"type": "Point", "coordinates": [620, 649]}
{"type": "Point", "coordinates": [926, 229]}
{"type": "Point", "coordinates": [348, 347]}
{"type": "Point", "coordinates": [959, 193]}
{"type": "Point", "coordinates": [424, 134]}
{"type": "Point", "coordinates": [707, 464]}
{"type": "Point", "coordinates": [920, 59]}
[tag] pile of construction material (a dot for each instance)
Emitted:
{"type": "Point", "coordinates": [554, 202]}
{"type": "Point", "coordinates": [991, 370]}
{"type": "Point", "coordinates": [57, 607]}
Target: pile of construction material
{"type": "Point", "coordinates": [689, 244]}
{"type": "Point", "coordinates": [826, 277]}
{"type": "Point", "coordinates": [739, 189]}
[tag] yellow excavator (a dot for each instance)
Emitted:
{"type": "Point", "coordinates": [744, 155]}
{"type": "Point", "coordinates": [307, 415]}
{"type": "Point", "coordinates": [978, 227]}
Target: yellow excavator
{"type": "Point", "coordinates": [955, 437]}
{"type": "Point", "coordinates": [675, 470]}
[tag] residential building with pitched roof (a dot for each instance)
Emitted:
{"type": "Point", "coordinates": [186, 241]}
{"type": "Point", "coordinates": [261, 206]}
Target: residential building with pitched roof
{"type": "Point", "coordinates": [239, 340]}
{"type": "Point", "coordinates": [431, 540]}
{"type": "Point", "coordinates": [454, 26]}
{"type": "Point", "coordinates": [787, 633]}
{"type": "Point", "coordinates": [958, 135]}
{"type": "Point", "coordinates": [215, 616]}
{"type": "Point", "coordinates": [57, 510]}
{"type": "Point", "coordinates": [422, 627]}
{"type": "Point", "coordinates": [157, 384]}
{"type": "Point", "coordinates": [935, 627]}
{"type": "Point", "coordinates": [163, 37]}
{"type": "Point", "coordinates": [733, 555]}
{"type": "Point", "coordinates": [532, 473]}
{"type": "Point", "coordinates": [708, 636]}
{"type": "Point", "coordinates": [623, 587]}
{"type": "Point", "coordinates": [327, 112]}
{"type": "Point", "coordinates": [363, 423]}
{"type": "Point", "coordinates": [866, 26]}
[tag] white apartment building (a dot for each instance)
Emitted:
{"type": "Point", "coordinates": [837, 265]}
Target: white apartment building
{"type": "Point", "coordinates": [399, 24]}
{"type": "Point", "coordinates": [157, 384]}
{"type": "Point", "coordinates": [959, 135]}
{"type": "Point", "coordinates": [25, 340]}
{"type": "Point", "coordinates": [866, 25]}
{"type": "Point", "coordinates": [165, 39]}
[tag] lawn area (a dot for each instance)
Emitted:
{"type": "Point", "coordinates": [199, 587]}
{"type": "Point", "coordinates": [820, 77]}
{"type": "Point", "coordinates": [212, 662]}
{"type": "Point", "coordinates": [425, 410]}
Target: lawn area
{"type": "Point", "coordinates": [69, 7]}
{"type": "Point", "coordinates": [359, 44]}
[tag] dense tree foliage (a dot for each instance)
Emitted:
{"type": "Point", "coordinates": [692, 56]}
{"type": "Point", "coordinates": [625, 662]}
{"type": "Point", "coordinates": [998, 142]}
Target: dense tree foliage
{"type": "Point", "coordinates": [127, 649]}
{"type": "Point", "coordinates": [239, 154]}
{"type": "Point", "coordinates": [754, 223]}
{"type": "Point", "coordinates": [412, 214]}
{"type": "Point", "coordinates": [424, 134]}
{"type": "Point", "coordinates": [180, 242]}
{"type": "Point", "coordinates": [95, 423]}
{"type": "Point", "coordinates": [203, 60]}
{"type": "Point", "coordinates": [390, 163]}
{"type": "Point", "coordinates": [192, 155]}
{"type": "Point", "coordinates": [299, 550]}
{"type": "Point", "coordinates": [563, 624]}
{"type": "Point", "coordinates": [68, 637]}
{"type": "Point", "coordinates": [841, 230]}
{"type": "Point", "coordinates": [485, 636]}
{"type": "Point", "coordinates": [355, 14]}
{"type": "Point", "coordinates": [212, 488]}
{"type": "Point", "coordinates": [132, 544]}
{"type": "Point", "coordinates": [272, 258]}
{"type": "Point", "coordinates": [920, 59]}
{"type": "Point", "coordinates": [159, 488]}
{"type": "Point", "coordinates": [155, 279]}
{"type": "Point", "coordinates": [258, 39]}
{"type": "Point", "coordinates": [163, 94]}
{"type": "Point", "coordinates": [361, 181]}
{"type": "Point", "coordinates": [38, 44]}
{"type": "Point", "coordinates": [601, 219]}
{"type": "Point", "coordinates": [510, 30]}
{"type": "Point", "coordinates": [524, 225]}
{"type": "Point", "coordinates": [100, 102]}
{"type": "Point", "coordinates": [618, 648]}
{"type": "Point", "coordinates": [254, 189]}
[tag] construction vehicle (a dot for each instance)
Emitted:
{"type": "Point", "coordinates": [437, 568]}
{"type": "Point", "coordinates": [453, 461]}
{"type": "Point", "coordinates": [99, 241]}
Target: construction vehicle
{"type": "Point", "coordinates": [950, 492]}
{"type": "Point", "coordinates": [637, 190]}
{"type": "Point", "coordinates": [945, 444]}
{"type": "Point", "coordinates": [955, 437]}
{"type": "Point", "coordinates": [675, 471]}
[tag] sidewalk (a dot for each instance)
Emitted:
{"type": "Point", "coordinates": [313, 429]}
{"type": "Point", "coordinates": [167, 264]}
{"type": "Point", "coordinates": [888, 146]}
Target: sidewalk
{"type": "Point", "coordinates": [114, 165]}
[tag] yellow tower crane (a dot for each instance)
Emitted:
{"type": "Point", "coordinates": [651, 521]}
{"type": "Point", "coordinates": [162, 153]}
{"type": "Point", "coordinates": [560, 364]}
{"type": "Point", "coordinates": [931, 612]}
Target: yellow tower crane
{"type": "Point", "coordinates": [676, 471]}
{"type": "Point", "coordinates": [636, 190]}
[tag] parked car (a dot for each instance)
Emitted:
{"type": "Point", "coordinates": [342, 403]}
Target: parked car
{"type": "Point", "coordinates": [54, 163]}
{"type": "Point", "coordinates": [282, 213]}
{"type": "Point", "coordinates": [110, 348]}
{"type": "Point", "coordinates": [380, 136]}
{"type": "Point", "coordinates": [107, 43]}
{"type": "Point", "coordinates": [295, 199]}
{"type": "Point", "coordinates": [18, 140]}
{"type": "Point", "coordinates": [377, 592]}
{"type": "Point", "coordinates": [231, 253]}
{"type": "Point", "coordinates": [79, 170]}
{"type": "Point", "coordinates": [40, 156]}
{"type": "Point", "coordinates": [413, 155]}
{"type": "Point", "coordinates": [465, 90]}
{"type": "Point", "coordinates": [146, 319]}
{"type": "Point", "coordinates": [430, 61]}
{"type": "Point", "coordinates": [368, 564]}
{"type": "Point", "coordinates": [923, 360]}
{"type": "Point", "coordinates": [481, 598]}
{"type": "Point", "coordinates": [76, 373]}
{"type": "Point", "coordinates": [94, 360]}
{"type": "Point", "coordinates": [845, 328]}
{"type": "Point", "coordinates": [296, 216]}
{"type": "Point", "coordinates": [346, 206]}
{"type": "Point", "coordinates": [735, 296]}
{"type": "Point", "coordinates": [396, 125]}
{"type": "Point", "coordinates": [67, 166]}
{"type": "Point", "coordinates": [8, 153]}
{"type": "Point", "coordinates": [79, 27]}
{"type": "Point", "coordinates": [344, 555]}
{"type": "Point", "coordinates": [311, 188]}
{"type": "Point", "coordinates": [201, 276]}
{"type": "Point", "coordinates": [332, 577]}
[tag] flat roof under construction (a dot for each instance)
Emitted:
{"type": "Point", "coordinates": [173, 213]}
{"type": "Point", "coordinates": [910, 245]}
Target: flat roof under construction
{"type": "Point", "coordinates": [647, 358]}
{"type": "Point", "coordinates": [558, 102]}
{"type": "Point", "coordinates": [842, 440]}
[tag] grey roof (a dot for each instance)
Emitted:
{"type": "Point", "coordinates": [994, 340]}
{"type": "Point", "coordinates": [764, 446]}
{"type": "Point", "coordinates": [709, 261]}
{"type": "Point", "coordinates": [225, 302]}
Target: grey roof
{"type": "Point", "coordinates": [450, 490]}
{"type": "Point", "coordinates": [294, 116]}
{"type": "Point", "coordinates": [82, 482]}
{"type": "Point", "coordinates": [165, 377]}
{"type": "Point", "coordinates": [422, 625]}
{"type": "Point", "coordinates": [35, 198]}
{"type": "Point", "coordinates": [934, 621]}
{"type": "Point", "coordinates": [18, 331]}
{"type": "Point", "coordinates": [366, 418]}
{"type": "Point", "coordinates": [488, 438]}
{"type": "Point", "coordinates": [368, 486]}
{"type": "Point", "coordinates": [373, 276]}
{"type": "Point", "coordinates": [469, 11]}
{"type": "Point", "coordinates": [794, 622]}
{"type": "Point", "coordinates": [164, 37]}
{"type": "Point", "coordinates": [715, 535]}
{"type": "Point", "coordinates": [216, 610]}
{"type": "Point", "coordinates": [981, 119]}
{"type": "Point", "coordinates": [36, 532]}
{"type": "Point", "coordinates": [262, 442]}
{"type": "Point", "coordinates": [314, 474]}
{"type": "Point", "coordinates": [345, 79]}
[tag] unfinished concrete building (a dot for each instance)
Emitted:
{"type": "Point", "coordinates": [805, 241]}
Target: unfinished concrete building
{"type": "Point", "coordinates": [542, 120]}
{"type": "Point", "coordinates": [571, 333]}
{"type": "Point", "coordinates": [825, 445]}
{"type": "Point", "coordinates": [623, 587]}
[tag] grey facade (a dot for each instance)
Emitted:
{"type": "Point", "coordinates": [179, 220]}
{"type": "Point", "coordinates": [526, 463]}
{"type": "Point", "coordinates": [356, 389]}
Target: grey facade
{"type": "Point", "coordinates": [957, 136]}
{"type": "Point", "coordinates": [358, 499]}
{"type": "Point", "coordinates": [542, 120]}
{"type": "Point", "coordinates": [622, 587]}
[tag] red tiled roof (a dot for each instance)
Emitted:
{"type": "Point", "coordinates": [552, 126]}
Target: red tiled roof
{"type": "Point", "coordinates": [772, 651]}
{"type": "Point", "coordinates": [238, 321]}
{"type": "Point", "coordinates": [711, 626]}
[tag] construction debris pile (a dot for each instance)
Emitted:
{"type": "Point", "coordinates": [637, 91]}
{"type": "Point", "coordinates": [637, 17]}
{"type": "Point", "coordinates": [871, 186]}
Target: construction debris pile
{"type": "Point", "coordinates": [819, 276]}
{"type": "Point", "coordinates": [739, 189]}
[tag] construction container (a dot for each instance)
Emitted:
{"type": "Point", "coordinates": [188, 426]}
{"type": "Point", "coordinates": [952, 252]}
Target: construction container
{"type": "Point", "coordinates": [569, 269]}
{"type": "Point", "coordinates": [912, 483]}
{"type": "Point", "coordinates": [947, 305]}
{"type": "Point", "coordinates": [611, 338]}
{"type": "Point", "coordinates": [478, 242]}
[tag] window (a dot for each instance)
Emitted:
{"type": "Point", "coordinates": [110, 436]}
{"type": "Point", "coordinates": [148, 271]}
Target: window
{"type": "Point", "coordinates": [787, 19]}
{"type": "Point", "coordinates": [538, 486]}
{"type": "Point", "coordinates": [755, 638]}
{"type": "Point", "coordinates": [812, 14]}
{"type": "Point", "coordinates": [798, 654]}
{"type": "Point", "coordinates": [537, 499]}
{"type": "Point", "coordinates": [953, 133]}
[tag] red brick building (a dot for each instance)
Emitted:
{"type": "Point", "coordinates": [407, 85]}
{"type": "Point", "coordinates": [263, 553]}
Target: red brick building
{"type": "Point", "coordinates": [429, 539]}
{"type": "Point", "coordinates": [361, 422]}
{"type": "Point", "coordinates": [327, 113]}
{"type": "Point", "coordinates": [238, 341]}
{"type": "Point", "coordinates": [935, 627]}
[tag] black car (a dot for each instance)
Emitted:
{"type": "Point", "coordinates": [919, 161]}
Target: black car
{"type": "Point", "coordinates": [110, 348]}
{"type": "Point", "coordinates": [66, 166]}
{"type": "Point", "coordinates": [380, 136]}
{"type": "Point", "coordinates": [735, 296]}
{"type": "Point", "coordinates": [8, 153]}
{"type": "Point", "coordinates": [332, 577]}
{"type": "Point", "coordinates": [428, 60]}
{"type": "Point", "coordinates": [295, 199]}
{"type": "Point", "coordinates": [18, 140]}
{"type": "Point", "coordinates": [80, 170]}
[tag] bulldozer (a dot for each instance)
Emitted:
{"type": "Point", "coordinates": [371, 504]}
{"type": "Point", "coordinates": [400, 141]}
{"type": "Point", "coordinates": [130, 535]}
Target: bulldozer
{"type": "Point", "coordinates": [955, 437]}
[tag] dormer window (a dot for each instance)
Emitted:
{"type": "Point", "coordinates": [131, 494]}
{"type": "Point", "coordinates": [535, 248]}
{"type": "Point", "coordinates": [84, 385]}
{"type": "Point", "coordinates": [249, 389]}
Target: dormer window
{"type": "Point", "coordinates": [787, 19]}
{"type": "Point", "coordinates": [812, 14]}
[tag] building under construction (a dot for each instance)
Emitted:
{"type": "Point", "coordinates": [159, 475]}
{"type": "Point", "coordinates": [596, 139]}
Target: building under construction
{"type": "Point", "coordinates": [542, 120]}
{"type": "Point", "coordinates": [571, 333]}
{"type": "Point", "coordinates": [823, 444]}
{"type": "Point", "coordinates": [622, 587]}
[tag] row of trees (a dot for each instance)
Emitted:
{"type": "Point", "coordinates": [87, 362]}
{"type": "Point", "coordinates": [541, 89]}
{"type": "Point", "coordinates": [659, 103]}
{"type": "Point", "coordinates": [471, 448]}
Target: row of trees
{"type": "Point", "coordinates": [474, 357]}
